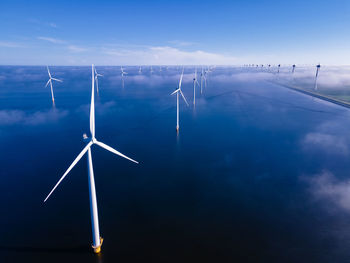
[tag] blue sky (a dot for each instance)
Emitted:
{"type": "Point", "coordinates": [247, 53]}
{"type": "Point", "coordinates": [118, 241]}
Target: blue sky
{"type": "Point", "coordinates": [174, 32]}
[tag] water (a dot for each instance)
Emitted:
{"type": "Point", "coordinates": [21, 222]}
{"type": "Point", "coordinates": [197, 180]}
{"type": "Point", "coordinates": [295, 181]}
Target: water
{"type": "Point", "coordinates": [258, 173]}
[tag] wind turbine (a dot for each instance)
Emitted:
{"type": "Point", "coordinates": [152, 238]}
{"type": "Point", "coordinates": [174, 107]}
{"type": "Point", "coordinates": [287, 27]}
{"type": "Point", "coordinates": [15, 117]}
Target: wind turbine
{"type": "Point", "coordinates": [50, 82]}
{"type": "Point", "coordinates": [151, 69]}
{"type": "Point", "coordinates": [205, 79]}
{"type": "Point", "coordinates": [293, 68]}
{"type": "Point", "coordinates": [140, 70]}
{"type": "Point", "coordinates": [123, 72]}
{"type": "Point", "coordinates": [177, 100]}
{"type": "Point", "coordinates": [279, 66]}
{"type": "Point", "coordinates": [195, 81]}
{"type": "Point", "coordinates": [97, 239]}
{"type": "Point", "coordinates": [96, 79]}
{"type": "Point", "coordinates": [317, 70]}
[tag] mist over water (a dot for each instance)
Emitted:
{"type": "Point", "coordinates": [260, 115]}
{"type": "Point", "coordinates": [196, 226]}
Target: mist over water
{"type": "Point", "coordinates": [258, 172]}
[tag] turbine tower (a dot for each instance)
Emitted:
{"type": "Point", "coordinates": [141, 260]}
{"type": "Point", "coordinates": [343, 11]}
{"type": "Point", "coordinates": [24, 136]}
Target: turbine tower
{"type": "Point", "coordinates": [202, 75]}
{"type": "Point", "coordinates": [177, 100]}
{"type": "Point", "coordinates": [279, 66]}
{"type": "Point", "coordinates": [97, 239]}
{"type": "Point", "coordinates": [293, 68]}
{"type": "Point", "coordinates": [195, 81]}
{"type": "Point", "coordinates": [317, 70]}
{"type": "Point", "coordinates": [50, 82]}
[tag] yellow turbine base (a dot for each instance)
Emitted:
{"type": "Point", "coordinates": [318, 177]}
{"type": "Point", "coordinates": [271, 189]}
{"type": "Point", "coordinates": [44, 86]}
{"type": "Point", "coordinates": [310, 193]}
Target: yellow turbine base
{"type": "Point", "coordinates": [98, 248]}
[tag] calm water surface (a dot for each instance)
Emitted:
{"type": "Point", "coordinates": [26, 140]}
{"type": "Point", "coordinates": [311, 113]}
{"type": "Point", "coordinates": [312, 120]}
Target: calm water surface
{"type": "Point", "coordinates": [258, 173]}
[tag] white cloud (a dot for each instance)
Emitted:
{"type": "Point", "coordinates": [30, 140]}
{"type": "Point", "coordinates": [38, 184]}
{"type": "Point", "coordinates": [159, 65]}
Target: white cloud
{"type": "Point", "coordinates": [181, 43]}
{"type": "Point", "coordinates": [327, 186]}
{"type": "Point", "coordinates": [165, 55]}
{"type": "Point", "coordinates": [74, 48]}
{"type": "Point", "coordinates": [10, 44]}
{"type": "Point", "coordinates": [325, 142]}
{"type": "Point", "coordinates": [12, 117]}
{"type": "Point", "coordinates": [52, 40]}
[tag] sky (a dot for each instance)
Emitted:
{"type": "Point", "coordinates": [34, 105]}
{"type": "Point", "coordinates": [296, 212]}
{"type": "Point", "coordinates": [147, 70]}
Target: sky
{"type": "Point", "coordinates": [174, 32]}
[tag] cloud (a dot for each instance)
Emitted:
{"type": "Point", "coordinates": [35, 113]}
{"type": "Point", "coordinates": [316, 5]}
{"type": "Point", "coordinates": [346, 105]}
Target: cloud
{"type": "Point", "coordinates": [74, 48]}
{"type": "Point", "coordinates": [325, 142]}
{"type": "Point", "coordinates": [70, 47]}
{"type": "Point", "coordinates": [52, 40]}
{"type": "Point", "coordinates": [165, 55]}
{"type": "Point", "coordinates": [181, 43]}
{"type": "Point", "coordinates": [13, 117]}
{"type": "Point", "coordinates": [328, 137]}
{"type": "Point", "coordinates": [10, 44]}
{"type": "Point", "coordinates": [326, 186]}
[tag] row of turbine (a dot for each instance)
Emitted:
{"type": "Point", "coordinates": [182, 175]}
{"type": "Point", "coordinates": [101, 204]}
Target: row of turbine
{"type": "Point", "coordinates": [318, 66]}
{"type": "Point", "coordinates": [123, 73]}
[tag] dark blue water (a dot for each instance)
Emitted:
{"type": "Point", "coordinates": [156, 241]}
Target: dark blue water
{"type": "Point", "coordinates": [258, 173]}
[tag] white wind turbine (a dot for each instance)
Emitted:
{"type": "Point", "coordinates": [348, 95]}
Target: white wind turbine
{"type": "Point", "coordinates": [50, 82]}
{"type": "Point", "coordinates": [205, 80]}
{"type": "Point", "coordinates": [195, 81]}
{"type": "Point", "coordinates": [123, 72]}
{"type": "Point", "coordinates": [96, 79]}
{"type": "Point", "coordinates": [97, 240]}
{"type": "Point", "coordinates": [140, 70]}
{"type": "Point", "coordinates": [177, 100]}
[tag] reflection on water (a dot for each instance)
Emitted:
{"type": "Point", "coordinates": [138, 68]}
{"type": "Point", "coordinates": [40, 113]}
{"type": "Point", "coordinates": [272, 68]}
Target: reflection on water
{"type": "Point", "coordinates": [257, 172]}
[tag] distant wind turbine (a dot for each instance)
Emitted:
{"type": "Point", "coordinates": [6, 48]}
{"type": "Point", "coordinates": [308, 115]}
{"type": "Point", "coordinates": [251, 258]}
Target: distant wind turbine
{"type": "Point", "coordinates": [96, 79]}
{"type": "Point", "coordinates": [140, 70]}
{"type": "Point", "coordinates": [123, 72]}
{"type": "Point", "coordinates": [195, 81]}
{"type": "Point", "coordinates": [177, 100]}
{"type": "Point", "coordinates": [97, 239]}
{"type": "Point", "coordinates": [279, 66]}
{"type": "Point", "coordinates": [151, 70]}
{"type": "Point", "coordinates": [50, 82]}
{"type": "Point", "coordinates": [293, 68]}
{"type": "Point", "coordinates": [317, 71]}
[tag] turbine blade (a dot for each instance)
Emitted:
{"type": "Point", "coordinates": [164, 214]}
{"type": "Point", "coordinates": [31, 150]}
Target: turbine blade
{"type": "Point", "coordinates": [70, 168]}
{"type": "Point", "coordinates": [180, 82]}
{"type": "Point", "coordinates": [108, 148]}
{"type": "Point", "coordinates": [184, 97]}
{"type": "Point", "coordinates": [57, 80]}
{"type": "Point", "coordinates": [47, 83]}
{"type": "Point", "coordinates": [175, 92]}
{"type": "Point", "coordinates": [48, 71]}
{"type": "Point", "coordinates": [92, 106]}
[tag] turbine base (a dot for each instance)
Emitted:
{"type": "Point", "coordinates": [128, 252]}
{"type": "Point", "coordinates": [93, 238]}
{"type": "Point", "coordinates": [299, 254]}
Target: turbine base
{"type": "Point", "coordinates": [97, 249]}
